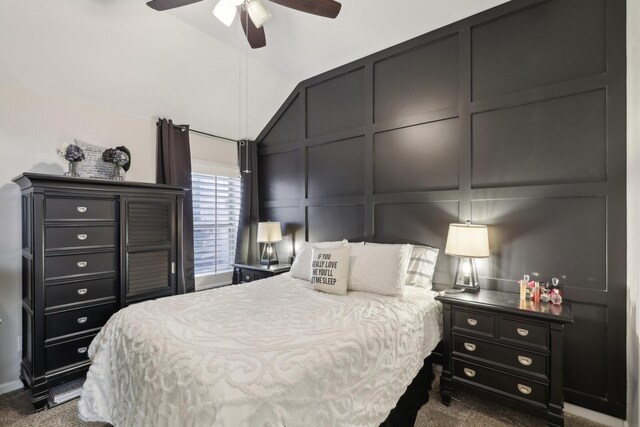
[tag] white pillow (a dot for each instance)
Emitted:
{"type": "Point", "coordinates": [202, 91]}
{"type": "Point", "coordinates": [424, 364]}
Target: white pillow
{"type": "Point", "coordinates": [379, 269]}
{"type": "Point", "coordinates": [301, 267]}
{"type": "Point", "coordinates": [421, 266]}
{"type": "Point", "coordinates": [330, 269]}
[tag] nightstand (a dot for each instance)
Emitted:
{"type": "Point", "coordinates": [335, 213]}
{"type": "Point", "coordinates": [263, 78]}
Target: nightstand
{"type": "Point", "coordinates": [505, 348]}
{"type": "Point", "coordinates": [243, 273]}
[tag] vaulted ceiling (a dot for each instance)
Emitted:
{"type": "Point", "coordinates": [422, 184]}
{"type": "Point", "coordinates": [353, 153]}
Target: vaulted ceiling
{"type": "Point", "coordinates": [184, 64]}
{"type": "Point", "coordinates": [303, 45]}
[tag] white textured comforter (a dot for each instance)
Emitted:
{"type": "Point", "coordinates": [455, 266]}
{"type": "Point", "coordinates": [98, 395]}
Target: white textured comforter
{"type": "Point", "coordinates": [268, 353]}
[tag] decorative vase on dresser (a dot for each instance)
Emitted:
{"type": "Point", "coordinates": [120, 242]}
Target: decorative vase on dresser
{"type": "Point", "coordinates": [90, 247]}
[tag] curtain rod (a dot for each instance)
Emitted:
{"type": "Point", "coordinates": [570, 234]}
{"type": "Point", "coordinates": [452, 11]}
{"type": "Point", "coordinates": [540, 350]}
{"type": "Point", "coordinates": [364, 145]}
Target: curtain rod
{"type": "Point", "coordinates": [210, 135]}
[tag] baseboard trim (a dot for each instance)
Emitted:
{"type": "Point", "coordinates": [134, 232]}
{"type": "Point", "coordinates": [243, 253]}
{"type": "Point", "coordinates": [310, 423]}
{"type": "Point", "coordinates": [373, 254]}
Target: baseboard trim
{"type": "Point", "coordinates": [598, 417]}
{"type": "Point", "coordinates": [10, 386]}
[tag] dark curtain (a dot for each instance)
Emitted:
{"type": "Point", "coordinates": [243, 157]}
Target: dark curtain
{"type": "Point", "coordinates": [247, 248]}
{"type": "Point", "coordinates": [174, 167]}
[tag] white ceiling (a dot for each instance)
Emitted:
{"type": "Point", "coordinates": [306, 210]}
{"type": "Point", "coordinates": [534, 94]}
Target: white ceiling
{"type": "Point", "coordinates": [183, 64]}
{"type": "Point", "coordinates": [303, 45]}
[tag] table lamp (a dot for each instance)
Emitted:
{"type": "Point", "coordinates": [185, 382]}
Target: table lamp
{"type": "Point", "coordinates": [467, 241]}
{"type": "Point", "coordinates": [269, 233]}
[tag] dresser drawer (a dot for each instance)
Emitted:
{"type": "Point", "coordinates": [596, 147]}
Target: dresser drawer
{"type": "Point", "coordinates": [79, 292]}
{"type": "Point", "coordinates": [79, 209]}
{"type": "Point", "coordinates": [79, 264]}
{"type": "Point", "coordinates": [79, 237]}
{"type": "Point", "coordinates": [500, 382]}
{"type": "Point", "coordinates": [74, 321]}
{"type": "Point", "coordinates": [471, 321]}
{"type": "Point", "coordinates": [522, 332]}
{"type": "Point", "coordinates": [67, 353]}
{"type": "Point", "coordinates": [523, 360]}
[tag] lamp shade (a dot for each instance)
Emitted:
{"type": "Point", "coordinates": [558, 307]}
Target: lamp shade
{"type": "Point", "coordinates": [269, 232]}
{"type": "Point", "coordinates": [467, 240]}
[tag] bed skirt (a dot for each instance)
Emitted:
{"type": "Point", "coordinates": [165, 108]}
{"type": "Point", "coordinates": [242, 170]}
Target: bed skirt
{"type": "Point", "coordinates": [416, 395]}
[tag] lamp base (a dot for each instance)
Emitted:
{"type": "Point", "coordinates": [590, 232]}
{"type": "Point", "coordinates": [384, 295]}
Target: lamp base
{"type": "Point", "coordinates": [269, 255]}
{"type": "Point", "coordinates": [467, 276]}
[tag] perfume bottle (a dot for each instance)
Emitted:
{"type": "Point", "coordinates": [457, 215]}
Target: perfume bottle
{"type": "Point", "coordinates": [556, 296]}
{"type": "Point", "coordinates": [526, 294]}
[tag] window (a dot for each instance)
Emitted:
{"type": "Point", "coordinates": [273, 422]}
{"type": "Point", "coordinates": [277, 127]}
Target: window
{"type": "Point", "coordinates": [216, 209]}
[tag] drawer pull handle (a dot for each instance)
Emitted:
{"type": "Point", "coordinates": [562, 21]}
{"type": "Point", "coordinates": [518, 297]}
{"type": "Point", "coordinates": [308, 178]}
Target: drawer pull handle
{"type": "Point", "coordinates": [469, 346]}
{"type": "Point", "coordinates": [472, 322]}
{"type": "Point", "coordinates": [82, 237]}
{"type": "Point", "coordinates": [82, 264]}
{"type": "Point", "coordinates": [469, 372]}
{"type": "Point", "coordinates": [526, 361]}
{"type": "Point", "coordinates": [82, 209]}
{"type": "Point", "coordinates": [524, 389]}
{"type": "Point", "coordinates": [522, 332]}
{"type": "Point", "coordinates": [246, 277]}
{"type": "Point", "coordinates": [82, 350]}
{"type": "Point", "coordinates": [82, 291]}
{"type": "Point", "coordinates": [82, 320]}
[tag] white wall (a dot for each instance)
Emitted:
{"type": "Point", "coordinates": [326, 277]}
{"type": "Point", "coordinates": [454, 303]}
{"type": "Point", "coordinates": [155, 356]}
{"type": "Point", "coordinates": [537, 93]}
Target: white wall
{"type": "Point", "coordinates": [121, 54]}
{"type": "Point", "coordinates": [633, 211]}
{"type": "Point", "coordinates": [30, 128]}
{"type": "Point", "coordinates": [103, 71]}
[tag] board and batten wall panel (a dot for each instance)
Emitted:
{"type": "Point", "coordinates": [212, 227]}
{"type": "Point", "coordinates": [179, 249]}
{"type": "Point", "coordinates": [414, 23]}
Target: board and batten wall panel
{"type": "Point", "coordinates": [417, 158]}
{"type": "Point", "coordinates": [336, 169]}
{"type": "Point", "coordinates": [514, 118]}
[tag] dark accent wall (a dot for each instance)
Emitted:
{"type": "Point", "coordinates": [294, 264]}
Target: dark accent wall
{"type": "Point", "coordinates": [514, 118]}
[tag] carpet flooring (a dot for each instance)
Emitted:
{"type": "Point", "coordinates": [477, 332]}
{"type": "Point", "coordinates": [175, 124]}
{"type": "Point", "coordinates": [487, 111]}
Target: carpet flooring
{"type": "Point", "coordinates": [468, 411]}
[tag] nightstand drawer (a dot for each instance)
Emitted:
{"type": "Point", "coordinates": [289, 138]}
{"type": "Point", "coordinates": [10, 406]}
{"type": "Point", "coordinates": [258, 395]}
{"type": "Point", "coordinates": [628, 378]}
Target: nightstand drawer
{"type": "Point", "coordinates": [501, 382]}
{"type": "Point", "coordinates": [474, 322]}
{"type": "Point", "coordinates": [246, 275]}
{"type": "Point", "coordinates": [521, 332]}
{"type": "Point", "coordinates": [79, 209]}
{"type": "Point", "coordinates": [257, 275]}
{"type": "Point", "coordinates": [79, 237]}
{"type": "Point", "coordinates": [522, 360]}
{"type": "Point", "coordinates": [74, 321]}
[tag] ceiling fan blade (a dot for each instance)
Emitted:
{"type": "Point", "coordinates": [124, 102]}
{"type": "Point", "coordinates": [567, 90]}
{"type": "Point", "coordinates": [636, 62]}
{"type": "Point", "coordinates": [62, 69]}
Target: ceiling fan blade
{"type": "Point", "coordinates": [161, 5]}
{"type": "Point", "coordinates": [326, 8]}
{"type": "Point", "coordinates": [255, 36]}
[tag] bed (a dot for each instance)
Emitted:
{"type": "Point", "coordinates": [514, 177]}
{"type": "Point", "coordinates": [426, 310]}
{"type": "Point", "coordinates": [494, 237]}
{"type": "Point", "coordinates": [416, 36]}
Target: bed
{"type": "Point", "coordinates": [268, 353]}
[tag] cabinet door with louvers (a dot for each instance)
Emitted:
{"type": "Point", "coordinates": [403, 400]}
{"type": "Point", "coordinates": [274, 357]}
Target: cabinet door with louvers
{"type": "Point", "coordinates": [149, 258]}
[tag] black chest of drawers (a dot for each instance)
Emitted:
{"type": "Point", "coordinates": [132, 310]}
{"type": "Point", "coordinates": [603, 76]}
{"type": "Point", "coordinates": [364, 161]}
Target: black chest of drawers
{"type": "Point", "coordinates": [244, 273]}
{"type": "Point", "coordinates": [506, 348]}
{"type": "Point", "coordinates": [90, 247]}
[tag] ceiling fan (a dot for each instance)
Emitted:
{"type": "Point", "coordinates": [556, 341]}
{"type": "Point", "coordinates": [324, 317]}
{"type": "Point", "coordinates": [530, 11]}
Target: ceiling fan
{"type": "Point", "coordinates": [253, 14]}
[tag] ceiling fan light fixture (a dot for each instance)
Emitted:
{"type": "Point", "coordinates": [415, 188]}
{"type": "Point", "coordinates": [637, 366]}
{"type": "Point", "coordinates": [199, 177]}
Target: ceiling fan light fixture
{"type": "Point", "coordinates": [257, 12]}
{"type": "Point", "coordinates": [225, 11]}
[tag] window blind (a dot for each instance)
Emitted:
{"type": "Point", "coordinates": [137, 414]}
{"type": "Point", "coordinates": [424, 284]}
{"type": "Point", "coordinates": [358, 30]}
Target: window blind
{"type": "Point", "coordinates": [216, 209]}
